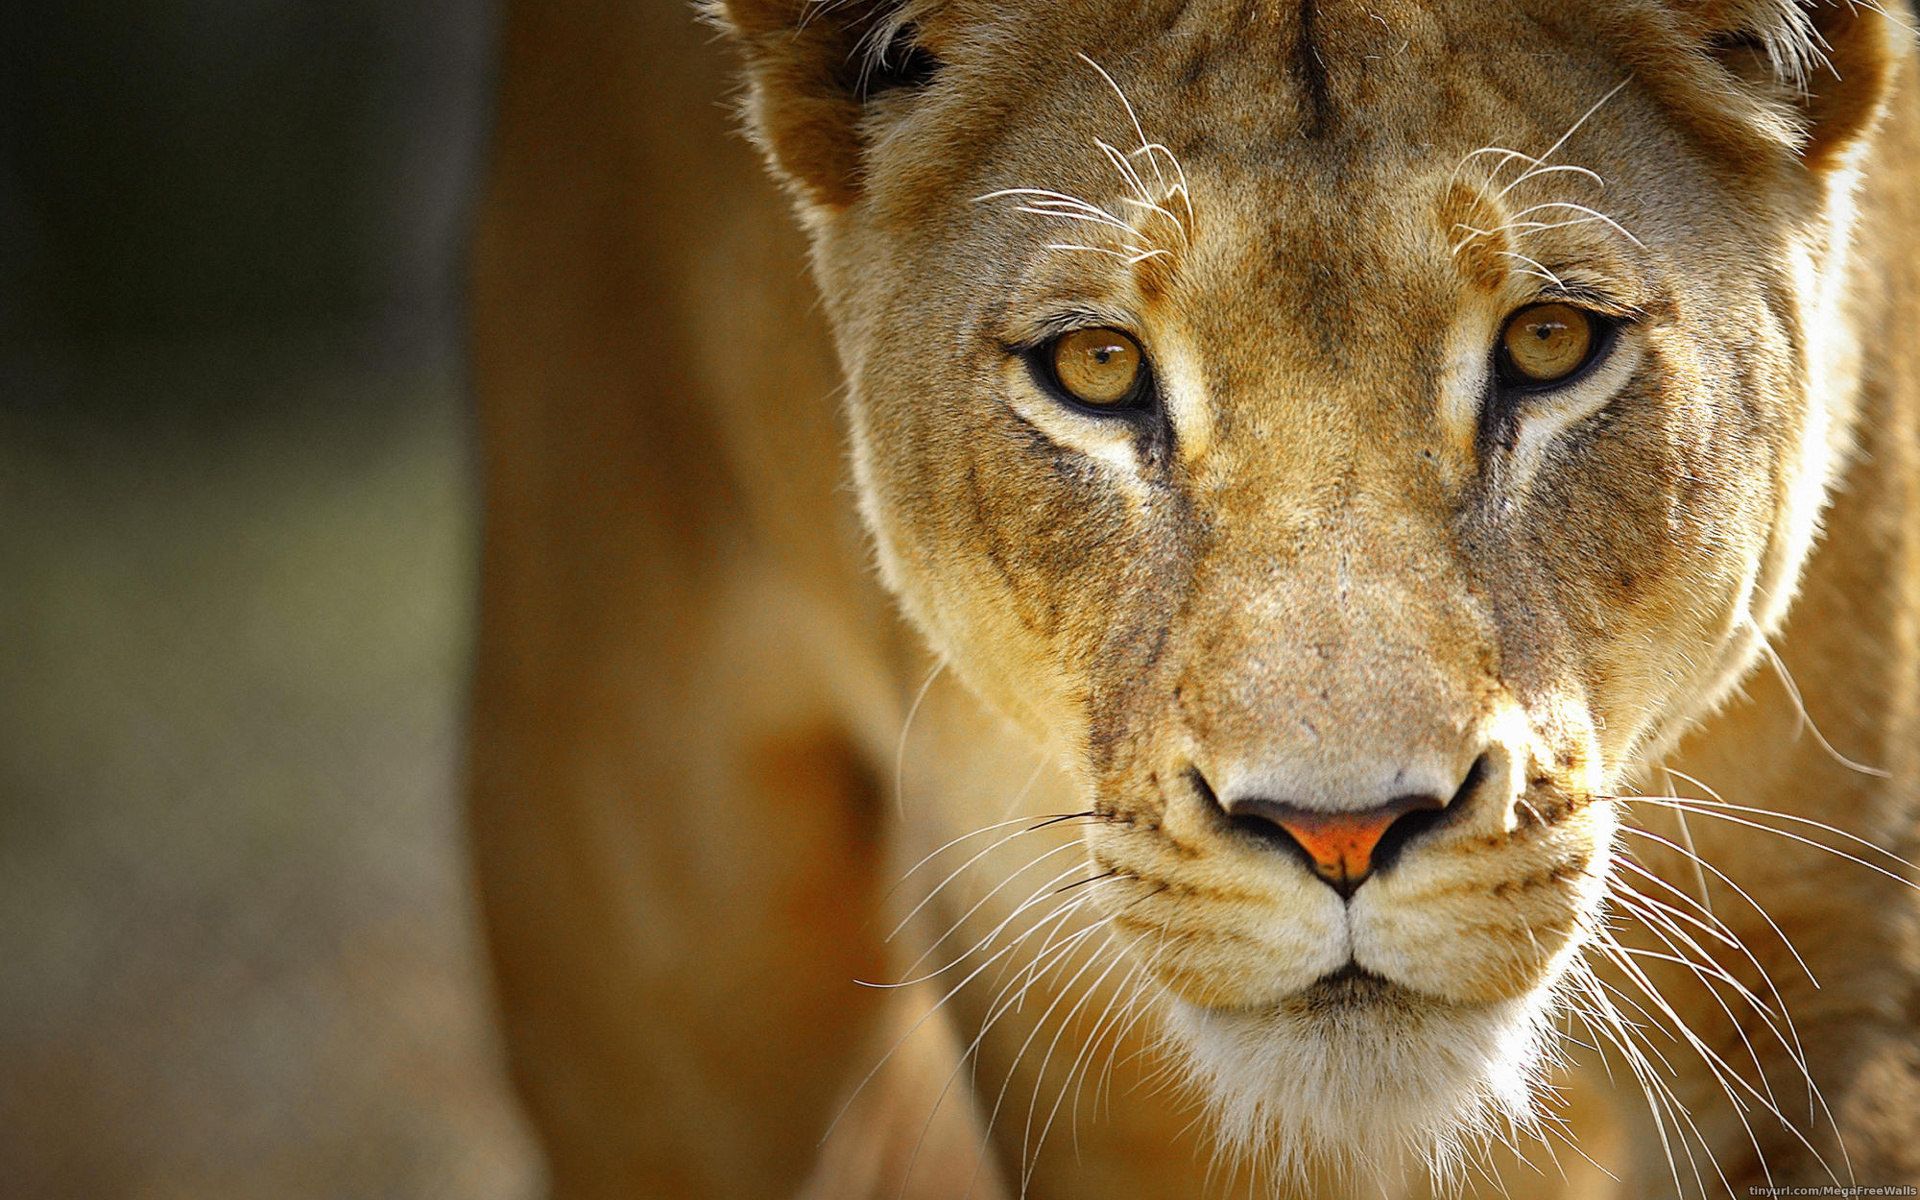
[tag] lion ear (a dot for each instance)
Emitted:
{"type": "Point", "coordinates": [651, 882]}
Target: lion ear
{"type": "Point", "coordinates": [1829, 63]}
{"type": "Point", "coordinates": [813, 67]}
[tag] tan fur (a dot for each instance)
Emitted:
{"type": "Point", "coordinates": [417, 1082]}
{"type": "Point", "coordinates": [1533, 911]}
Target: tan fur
{"type": "Point", "coordinates": [1325, 576]}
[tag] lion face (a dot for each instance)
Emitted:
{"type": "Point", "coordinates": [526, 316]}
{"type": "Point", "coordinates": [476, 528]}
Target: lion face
{"type": "Point", "coordinates": [1352, 437]}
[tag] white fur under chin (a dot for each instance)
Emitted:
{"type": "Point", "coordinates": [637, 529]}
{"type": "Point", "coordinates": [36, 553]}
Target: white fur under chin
{"type": "Point", "coordinates": [1367, 1089]}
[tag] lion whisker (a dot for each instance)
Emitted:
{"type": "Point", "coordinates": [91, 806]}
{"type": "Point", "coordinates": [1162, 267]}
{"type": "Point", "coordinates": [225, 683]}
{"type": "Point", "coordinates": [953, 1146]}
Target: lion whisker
{"type": "Point", "coordinates": [1574, 128]}
{"type": "Point", "coordinates": [1019, 910]}
{"type": "Point", "coordinates": [1671, 1101]}
{"type": "Point", "coordinates": [1047, 202]}
{"type": "Point", "coordinates": [1527, 227]}
{"type": "Point", "coordinates": [1790, 1040]}
{"type": "Point", "coordinates": [1724, 878]}
{"type": "Point", "coordinates": [1707, 808]}
{"type": "Point", "coordinates": [1122, 164]}
{"type": "Point", "coordinates": [1622, 957]}
{"type": "Point", "coordinates": [1083, 882]}
{"type": "Point", "coordinates": [1671, 917]}
{"type": "Point", "coordinates": [1570, 206]}
{"type": "Point", "coordinates": [1793, 693]}
{"type": "Point", "coordinates": [1708, 971]}
{"type": "Point", "coordinates": [1722, 1072]}
{"type": "Point", "coordinates": [957, 872]}
{"type": "Point", "coordinates": [1609, 1026]}
{"type": "Point", "coordinates": [1118, 1018]}
{"type": "Point", "coordinates": [1132, 256]}
{"type": "Point", "coordinates": [1025, 978]}
{"type": "Point", "coordinates": [1713, 923]}
{"type": "Point", "coordinates": [1179, 189]}
{"type": "Point", "coordinates": [1132, 116]}
{"type": "Point", "coordinates": [1152, 960]}
{"type": "Point", "coordinates": [1543, 169]}
{"type": "Point", "coordinates": [1065, 989]}
{"type": "Point", "coordinates": [1079, 902]}
{"type": "Point", "coordinates": [1682, 804]}
{"type": "Point", "coordinates": [1719, 931]}
{"type": "Point", "coordinates": [970, 1052]}
{"type": "Point", "coordinates": [1150, 206]}
{"type": "Point", "coordinates": [1047, 195]}
{"type": "Point", "coordinates": [1026, 789]}
{"type": "Point", "coordinates": [1559, 1129]}
{"type": "Point", "coordinates": [1815, 1096]}
{"type": "Point", "coordinates": [1650, 1023]}
{"type": "Point", "coordinates": [906, 727]}
{"type": "Point", "coordinates": [1536, 268]}
{"type": "Point", "coordinates": [984, 829]}
{"type": "Point", "coordinates": [1111, 1014]}
{"type": "Point", "coordinates": [1686, 837]}
{"type": "Point", "coordinates": [1066, 214]}
{"type": "Point", "coordinates": [1135, 1009]}
{"type": "Point", "coordinates": [910, 1031]}
{"type": "Point", "coordinates": [1030, 1158]}
{"type": "Point", "coordinates": [1507, 156]}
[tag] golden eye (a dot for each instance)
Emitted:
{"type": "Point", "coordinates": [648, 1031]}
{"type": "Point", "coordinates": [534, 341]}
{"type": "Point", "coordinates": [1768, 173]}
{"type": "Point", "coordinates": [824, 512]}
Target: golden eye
{"type": "Point", "coordinates": [1102, 367]}
{"type": "Point", "coordinates": [1545, 343]}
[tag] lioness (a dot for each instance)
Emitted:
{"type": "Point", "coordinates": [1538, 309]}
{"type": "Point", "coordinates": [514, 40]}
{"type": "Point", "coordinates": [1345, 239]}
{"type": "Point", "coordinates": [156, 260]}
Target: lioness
{"type": "Point", "coordinates": [1407, 525]}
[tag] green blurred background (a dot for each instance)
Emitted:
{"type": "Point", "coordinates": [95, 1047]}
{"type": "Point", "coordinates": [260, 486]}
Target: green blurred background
{"type": "Point", "coordinates": [237, 538]}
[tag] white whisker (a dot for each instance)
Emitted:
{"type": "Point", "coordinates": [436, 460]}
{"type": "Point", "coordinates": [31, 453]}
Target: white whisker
{"type": "Point", "coordinates": [906, 727]}
{"type": "Point", "coordinates": [1540, 169]}
{"type": "Point", "coordinates": [951, 843]}
{"type": "Point", "coordinates": [1575, 127]}
{"type": "Point", "coordinates": [1724, 878]}
{"type": "Point", "coordinates": [1038, 895]}
{"type": "Point", "coordinates": [1570, 206]}
{"type": "Point", "coordinates": [1793, 692]}
{"type": "Point", "coordinates": [1127, 104]}
{"type": "Point", "coordinates": [1537, 268]}
{"type": "Point", "coordinates": [1040, 195]}
{"type": "Point", "coordinates": [1707, 808]}
{"type": "Point", "coordinates": [970, 1052]}
{"type": "Point", "coordinates": [955, 874]}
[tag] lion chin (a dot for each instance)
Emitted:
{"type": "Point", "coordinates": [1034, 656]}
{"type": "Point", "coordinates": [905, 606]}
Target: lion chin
{"type": "Point", "coordinates": [1364, 1079]}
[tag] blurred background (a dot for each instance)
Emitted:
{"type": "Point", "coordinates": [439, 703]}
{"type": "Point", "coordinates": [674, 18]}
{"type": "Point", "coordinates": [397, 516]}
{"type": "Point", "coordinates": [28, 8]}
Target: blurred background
{"type": "Point", "coordinates": [237, 541]}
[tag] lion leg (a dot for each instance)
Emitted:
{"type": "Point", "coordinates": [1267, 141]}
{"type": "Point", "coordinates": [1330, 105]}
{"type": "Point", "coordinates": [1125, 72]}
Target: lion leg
{"type": "Point", "coordinates": [678, 880]}
{"type": "Point", "coordinates": [681, 863]}
{"type": "Point", "coordinates": [677, 846]}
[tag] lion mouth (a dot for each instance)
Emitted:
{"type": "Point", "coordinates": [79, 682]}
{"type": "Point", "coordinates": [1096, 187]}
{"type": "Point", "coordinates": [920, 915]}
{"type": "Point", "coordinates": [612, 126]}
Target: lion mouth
{"type": "Point", "coordinates": [1348, 989]}
{"type": "Point", "coordinates": [1351, 980]}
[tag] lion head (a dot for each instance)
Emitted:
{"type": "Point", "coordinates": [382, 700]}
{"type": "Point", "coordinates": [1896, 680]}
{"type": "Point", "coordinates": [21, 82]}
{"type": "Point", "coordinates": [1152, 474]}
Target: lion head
{"type": "Point", "coordinates": [1352, 436]}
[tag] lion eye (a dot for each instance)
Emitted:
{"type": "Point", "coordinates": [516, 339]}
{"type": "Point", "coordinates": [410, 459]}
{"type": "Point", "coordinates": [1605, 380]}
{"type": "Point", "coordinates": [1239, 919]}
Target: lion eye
{"type": "Point", "coordinates": [1101, 367]}
{"type": "Point", "coordinates": [1545, 343]}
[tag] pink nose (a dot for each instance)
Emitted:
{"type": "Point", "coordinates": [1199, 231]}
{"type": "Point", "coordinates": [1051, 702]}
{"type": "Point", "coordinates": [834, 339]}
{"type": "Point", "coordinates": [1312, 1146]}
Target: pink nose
{"type": "Point", "coordinates": [1341, 846]}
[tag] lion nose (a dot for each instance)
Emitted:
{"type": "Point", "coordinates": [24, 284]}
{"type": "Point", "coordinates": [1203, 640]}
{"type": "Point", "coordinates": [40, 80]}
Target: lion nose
{"type": "Point", "coordinates": [1343, 848]}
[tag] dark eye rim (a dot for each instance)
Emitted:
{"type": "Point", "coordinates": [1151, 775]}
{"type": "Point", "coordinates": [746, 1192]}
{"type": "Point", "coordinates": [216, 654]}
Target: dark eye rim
{"type": "Point", "coordinates": [1144, 399]}
{"type": "Point", "coordinates": [1512, 381]}
{"type": "Point", "coordinates": [902, 65]}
